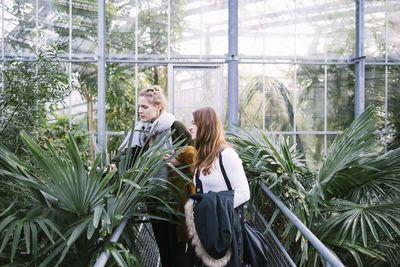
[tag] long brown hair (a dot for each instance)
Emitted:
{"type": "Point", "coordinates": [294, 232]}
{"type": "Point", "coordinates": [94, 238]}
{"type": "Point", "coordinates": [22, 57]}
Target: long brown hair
{"type": "Point", "coordinates": [210, 139]}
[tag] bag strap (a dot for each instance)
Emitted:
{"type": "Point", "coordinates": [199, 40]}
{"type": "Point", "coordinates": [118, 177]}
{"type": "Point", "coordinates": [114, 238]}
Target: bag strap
{"type": "Point", "coordinates": [228, 184]}
{"type": "Point", "coordinates": [199, 185]}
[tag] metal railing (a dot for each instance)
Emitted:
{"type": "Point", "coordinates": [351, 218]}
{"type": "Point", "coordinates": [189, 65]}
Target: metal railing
{"type": "Point", "coordinates": [326, 254]}
{"type": "Point", "coordinates": [145, 243]}
{"type": "Point", "coordinates": [277, 256]}
{"type": "Point", "coordinates": [102, 260]}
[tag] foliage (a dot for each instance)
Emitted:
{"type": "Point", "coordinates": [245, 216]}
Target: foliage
{"type": "Point", "coordinates": [121, 38]}
{"type": "Point", "coordinates": [279, 105]}
{"type": "Point", "coordinates": [351, 202]}
{"type": "Point", "coordinates": [30, 88]}
{"type": "Point", "coordinates": [57, 132]}
{"type": "Point", "coordinates": [394, 110]}
{"type": "Point", "coordinates": [59, 213]}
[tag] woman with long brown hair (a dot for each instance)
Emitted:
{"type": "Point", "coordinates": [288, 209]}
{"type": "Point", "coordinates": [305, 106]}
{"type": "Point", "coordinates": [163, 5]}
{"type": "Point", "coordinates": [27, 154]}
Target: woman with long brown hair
{"type": "Point", "coordinates": [217, 168]}
{"type": "Point", "coordinates": [209, 141]}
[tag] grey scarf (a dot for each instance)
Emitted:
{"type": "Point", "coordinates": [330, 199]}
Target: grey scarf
{"type": "Point", "coordinates": [145, 129]}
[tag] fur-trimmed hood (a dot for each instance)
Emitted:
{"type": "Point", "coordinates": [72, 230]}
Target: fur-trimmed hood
{"type": "Point", "coordinates": [211, 221]}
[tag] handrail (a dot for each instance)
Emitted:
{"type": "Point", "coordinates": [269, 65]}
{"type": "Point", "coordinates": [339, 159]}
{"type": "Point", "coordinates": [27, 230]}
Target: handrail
{"type": "Point", "coordinates": [276, 240]}
{"type": "Point", "coordinates": [102, 260]}
{"type": "Point", "coordinates": [329, 257]}
{"type": "Point", "coordinates": [322, 249]}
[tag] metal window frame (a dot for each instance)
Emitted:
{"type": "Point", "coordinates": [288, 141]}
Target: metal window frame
{"type": "Point", "coordinates": [171, 83]}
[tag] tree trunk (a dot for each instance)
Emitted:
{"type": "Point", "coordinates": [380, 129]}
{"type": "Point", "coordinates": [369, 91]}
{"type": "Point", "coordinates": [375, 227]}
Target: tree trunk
{"type": "Point", "coordinates": [155, 76]}
{"type": "Point", "coordinates": [89, 103]}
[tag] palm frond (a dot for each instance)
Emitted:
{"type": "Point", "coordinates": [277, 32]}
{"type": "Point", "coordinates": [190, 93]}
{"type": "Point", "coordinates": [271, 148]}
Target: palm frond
{"type": "Point", "coordinates": [355, 221]}
{"type": "Point", "coordinates": [350, 150]}
{"type": "Point", "coordinates": [65, 180]}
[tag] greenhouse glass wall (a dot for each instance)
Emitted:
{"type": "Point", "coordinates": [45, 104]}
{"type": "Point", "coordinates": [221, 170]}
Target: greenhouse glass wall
{"type": "Point", "coordinates": [301, 71]}
{"type": "Point", "coordinates": [312, 85]}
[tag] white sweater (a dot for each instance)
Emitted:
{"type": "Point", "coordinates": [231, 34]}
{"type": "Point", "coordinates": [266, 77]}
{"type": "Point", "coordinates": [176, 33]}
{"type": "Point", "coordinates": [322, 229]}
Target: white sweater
{"type": "Point", "coordinates": [234, 170]}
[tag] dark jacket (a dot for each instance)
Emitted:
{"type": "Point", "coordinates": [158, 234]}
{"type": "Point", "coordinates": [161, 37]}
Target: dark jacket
{"type": "Point", "coordinates": [180, 132]}
{"type": "Point", "coordinates": [217, 225]}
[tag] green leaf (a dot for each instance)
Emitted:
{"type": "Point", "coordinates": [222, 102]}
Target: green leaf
{"type": "Point", "coordinates": [54, 228]}
{"type": "Point", "coordinates": [27, 235]}
{"type": "Point", "coordinates": [90, 231]}
{"type": "Point", "coordinates": [8, 234]}
{"type": "Point", "coordinates": [97, 213]}
{"type": "Point", "coordinates": [45, 230]}
{"type": "Point", "coordinates": [16, 239]}
{"type": "Point", "coordinates": [117, 256]}
{"type": "Point", "coordinates": [6, 210]}
{"type": "Point", "coordinates": [6, 221]}
{"type": "Point", "coordinates": [77, 232]}
{"type": "Point", "coordinates": [34, 238]}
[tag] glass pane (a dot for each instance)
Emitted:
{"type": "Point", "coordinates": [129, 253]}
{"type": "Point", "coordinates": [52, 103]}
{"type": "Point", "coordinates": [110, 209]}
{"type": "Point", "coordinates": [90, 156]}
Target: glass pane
{"type": "Point", "coordinates": [310, 98]}
{"type": "Point", "coordinates": [375, 89]}
{"type": "Point", "coordinates": [150, 75]}
{"type": "Point", "coordinates": [340, 28]}
{"type": "Point", "coordinates": [340, 96]}
{"type": "Point", "coordinates": [279, 28]}
{"type": "Point", "coordinates": [289, 139]}
{"type": "Point", "coordinates": [394, 102]}
{"type": "Point", "coordinates": [20, 27]}
{"type": "Point", "coordinates": [392, 141]}
{"type": "Point", "coordinates": [121, 20]}
{"type": "Point", "coordinates": [313, 147]}
{"type": "Point", "coordinates": [251, 91]}
{"type": "Point", "coordinates": [53, 13]}
{"type": "Point", "coordinates": [78, 105]}
{"type": "Point", "coordinates": [279, 97]}
{"type": "Point", "coordinates": [85, 77]}
{"type": "Point", "coordinates": [153, 25]}
{"type": "Point", "coordinates": [375, 29]}
{"type": "Point", "coordinates": [113, 142]}
{"type": "Point", "coordinates": [199, 27]}
{"type": "Point", "coordinates": [71, 116]}
{"type": "Point", "coordinates": [329, 140]}
{"type": "Point", "coordinates": [393, 9]}
{"type": "Point", "coordinates": [382, 139]}
{"type": "Point", "coordinates": [310, 28]}
{"type": "Point", "coordinates": [84, 27]}
{"type": "Point", "coordinates": [196, 88]}
{"type": "Point", "coordinates": [251, 28]}
{"type": "Point", "coordinates": [120, 97]}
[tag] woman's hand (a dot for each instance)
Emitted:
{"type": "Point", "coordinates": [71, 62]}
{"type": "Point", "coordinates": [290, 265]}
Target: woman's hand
{"type": "Point", "coordinates": [174, 161]}
{"type": "Point", "coordinates": [113, 167]}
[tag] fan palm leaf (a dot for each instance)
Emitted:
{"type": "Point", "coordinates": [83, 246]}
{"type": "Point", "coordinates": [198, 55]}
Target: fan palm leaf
{"type": "Point", "coordinates": [350, 150]}
{"type": "Point", "coordinates": [71, 208]}
{"type": "Point", "coordinates": [353, 220]}
{"type": "Point", "coordinates": [355, 192]}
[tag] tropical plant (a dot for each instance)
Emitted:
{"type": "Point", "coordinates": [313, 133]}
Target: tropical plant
{"type": "Point", "coordinates": [61, 214]}
{"type": "Point", "coordinates": [351, 202]}
{"type": "Point", "coordinates": [57, 130]}
{"type": "Point", "coordinates": [30, 90]}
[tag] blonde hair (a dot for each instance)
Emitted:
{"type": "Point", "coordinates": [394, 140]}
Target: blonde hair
{"type": "Point", "coordinates": [155, 95]}
{"type": "Point", "coordinates": [210, 139]}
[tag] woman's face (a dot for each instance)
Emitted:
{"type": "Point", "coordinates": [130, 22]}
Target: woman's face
{"type": "Point", "coordinates": [193, 129]}
{"type": "Point", "coordinates": [147, 111]}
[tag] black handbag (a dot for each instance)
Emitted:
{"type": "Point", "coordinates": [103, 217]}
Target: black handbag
{"type": "Point", "coordinates": [255, 247]}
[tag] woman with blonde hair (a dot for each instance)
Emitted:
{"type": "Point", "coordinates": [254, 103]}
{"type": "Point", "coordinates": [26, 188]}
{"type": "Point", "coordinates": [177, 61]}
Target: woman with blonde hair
{"type": "Point", "coordinates": [154, 122]}
{"type": "Point", "coordinates": [220, 180]}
